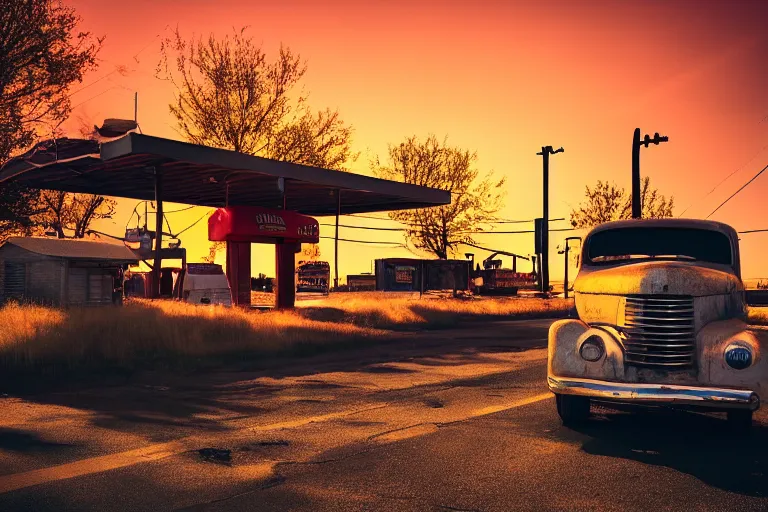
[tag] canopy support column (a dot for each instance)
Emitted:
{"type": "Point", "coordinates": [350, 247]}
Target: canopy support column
{"type": "Point", "coordinates": [157, 266]}
{"type": "Point", "coordinates": [239, 272]}
{"type": "Point", "coordinates": [336, 242]}
{"type": "Point", "coordinates": [285, 264]}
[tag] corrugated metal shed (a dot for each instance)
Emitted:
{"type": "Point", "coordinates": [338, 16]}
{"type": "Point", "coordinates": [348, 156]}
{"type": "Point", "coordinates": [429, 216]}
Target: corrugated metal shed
{"type": "Point", "coordinates": [74, 249]}
{"type": "Point", "coordinates": [62, 272]}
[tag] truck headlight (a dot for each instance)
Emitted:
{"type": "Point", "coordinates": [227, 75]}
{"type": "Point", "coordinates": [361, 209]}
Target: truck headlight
{"type": "Point", "coordinates": [592, 349]}
{"type": "Point", "coordinates": [738, 356]}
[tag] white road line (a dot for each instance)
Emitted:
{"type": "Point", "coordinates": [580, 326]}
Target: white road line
{"type": "Point", "coordinates": [159, 451]}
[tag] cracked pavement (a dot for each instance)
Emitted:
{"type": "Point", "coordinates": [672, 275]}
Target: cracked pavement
{"type": "Point", "coordinates": [443, 420]}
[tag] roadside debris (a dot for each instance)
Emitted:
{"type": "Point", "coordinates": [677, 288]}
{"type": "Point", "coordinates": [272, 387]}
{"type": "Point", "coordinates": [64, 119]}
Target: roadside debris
{"type": "Point", "coordinates": [219, 455]}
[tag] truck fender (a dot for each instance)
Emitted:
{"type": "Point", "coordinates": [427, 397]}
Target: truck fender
{"type": "Point", "coordinates": [564, 360]}
{"type": "Point", "coordinates": [711, 343]}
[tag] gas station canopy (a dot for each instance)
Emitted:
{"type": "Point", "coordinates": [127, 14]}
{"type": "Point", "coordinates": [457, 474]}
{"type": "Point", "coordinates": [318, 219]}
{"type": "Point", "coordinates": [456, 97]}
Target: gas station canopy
{"type": "Point", "coordinates": [205, 176]}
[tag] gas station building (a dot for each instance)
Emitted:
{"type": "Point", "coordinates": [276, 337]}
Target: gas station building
{"type": "Point", "coordinates": [258, 200]}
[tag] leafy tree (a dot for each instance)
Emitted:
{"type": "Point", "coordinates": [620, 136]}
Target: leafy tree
{"type": "Point", "coordinates": [41, 56]}
{"type": "Point", "coordinates": [230, 95]}
{"type": "Point", "coordinates": [18, 207]}
{"type": "Point", "coordinates": [431, 163]}
{"type": "Point", "coordinates": [607, 202]}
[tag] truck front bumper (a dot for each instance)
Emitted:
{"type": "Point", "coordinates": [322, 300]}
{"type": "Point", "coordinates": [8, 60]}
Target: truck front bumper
{"type": "Point", "coordinates": [656, 394]}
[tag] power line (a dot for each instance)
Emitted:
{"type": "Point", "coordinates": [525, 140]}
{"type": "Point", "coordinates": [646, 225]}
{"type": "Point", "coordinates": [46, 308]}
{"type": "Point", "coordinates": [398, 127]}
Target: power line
{"type": "Point", "coordinates": [181, 209]}
{"type": "Point", "coordinates": [725, 179]}
{"type": "Point", "coordinates": [740, 189]}
{"type": "Point", "coordinates": [191, 225]}
{"type": "Point", "coordinates": [95, 96]}
{"type": "Point", "coordinates": [753, 231]}
{"type": "Point", "coordinates": [500, 221]}
{"type": "Point", "coordinates": [361, 216]}
{"type": "Point", "coordinates": [363, 227]}
{"type": "Point", "coordinates": [510, 232]}
{"type": "Point", "coordinates": [363, 241]}
{"type": "Point", "coordinates": [520, 221]}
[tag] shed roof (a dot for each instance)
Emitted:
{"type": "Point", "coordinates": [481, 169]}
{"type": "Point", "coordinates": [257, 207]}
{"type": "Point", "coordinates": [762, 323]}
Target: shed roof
{"type": "Point", "coordinates": [206, 176]}
{"type": "Point", "coordinates": [73, 249]}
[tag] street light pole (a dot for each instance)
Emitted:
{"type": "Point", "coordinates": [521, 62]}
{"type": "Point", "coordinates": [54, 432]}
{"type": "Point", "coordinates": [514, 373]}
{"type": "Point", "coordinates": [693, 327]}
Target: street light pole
{"type": "Point", "coordinates": [565, 251]}
{"type": "Point", "coordinates": [637, 207]}
{"type": "Point", "coordinates": [544, 262]}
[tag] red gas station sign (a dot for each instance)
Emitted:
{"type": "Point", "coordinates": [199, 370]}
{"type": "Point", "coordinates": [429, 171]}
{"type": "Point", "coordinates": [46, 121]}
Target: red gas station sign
{"type": "Point", "coordinates": [261, 225]}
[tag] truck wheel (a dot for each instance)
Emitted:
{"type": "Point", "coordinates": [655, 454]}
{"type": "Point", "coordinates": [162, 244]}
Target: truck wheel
{"type": "Point", "coordinates": [740, 420]}
{"type": "Point", "coordinates": [572, 409]}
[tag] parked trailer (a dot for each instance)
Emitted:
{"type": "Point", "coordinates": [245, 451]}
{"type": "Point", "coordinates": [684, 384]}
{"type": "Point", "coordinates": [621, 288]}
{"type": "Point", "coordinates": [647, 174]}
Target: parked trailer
{"type": "Point", "coordinates": [313, 276]}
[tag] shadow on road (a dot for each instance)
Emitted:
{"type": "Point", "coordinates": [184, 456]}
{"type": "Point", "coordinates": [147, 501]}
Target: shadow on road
{"type": "Point", "coordinates": [700, 445]}
{"type": "Point", "coordinates": [21, 441]}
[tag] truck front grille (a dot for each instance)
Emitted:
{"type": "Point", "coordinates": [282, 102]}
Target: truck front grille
{"type": "Point", "coordinates": [660, 331]}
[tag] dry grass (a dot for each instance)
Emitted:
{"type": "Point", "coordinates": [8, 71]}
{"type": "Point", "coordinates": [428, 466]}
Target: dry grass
{"type": "Point", "coordinates": [757, 315]}
{"type": "Point", "coordinates": [36, 340]}
{"type": "Point", "coordinates": [386, 311]}
{"type": "Point", "coordinates": [164, 332]}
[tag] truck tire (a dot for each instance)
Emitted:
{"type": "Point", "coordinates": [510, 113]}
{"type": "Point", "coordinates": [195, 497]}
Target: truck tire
{"type": "Point", "coordinates": [572, 409]}
{"type": "Point", "coordinates": [740, 421]}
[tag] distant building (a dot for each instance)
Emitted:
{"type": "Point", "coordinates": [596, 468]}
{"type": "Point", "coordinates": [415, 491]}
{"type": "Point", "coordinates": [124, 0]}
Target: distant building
{"type": "Point", "coordinates": [409, 274]}
{"type": "Point", "coordinates": [361, 282]}
{"type": "Point", "coordinates": [63, 273]}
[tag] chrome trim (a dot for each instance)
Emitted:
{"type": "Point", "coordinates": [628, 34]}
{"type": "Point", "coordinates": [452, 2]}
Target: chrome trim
{"type": "Point", "coordinates": [670, 394]}
{"type": "Point", "coordinates": [659, 331]}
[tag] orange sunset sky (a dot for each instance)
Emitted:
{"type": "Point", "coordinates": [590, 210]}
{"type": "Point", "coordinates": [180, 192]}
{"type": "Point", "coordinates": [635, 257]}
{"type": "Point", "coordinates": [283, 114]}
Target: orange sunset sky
{"type": "Point", "coordinates": [501, 78]}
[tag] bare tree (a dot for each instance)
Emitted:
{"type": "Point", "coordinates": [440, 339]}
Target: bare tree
{"type": "Point", "coordinates": [71, 215]}
{"type": "Point", "coordinates": [229, 95]}
{"type": "Point", "coordinates": [431, 163]}
{"type": "Point", "coordinates": [607, 202]}
{"type": "Point", "coordinates": [213, 251]}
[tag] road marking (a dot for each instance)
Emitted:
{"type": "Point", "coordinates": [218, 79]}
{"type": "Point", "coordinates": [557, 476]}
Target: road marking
{"type": "Point", "coordinates": [149, 453]}
{"type": "Point", "coordinates": [16, 481]}
{"type": "Point", "coordinates": [519, 403]}
{"type": "Point", "coordinates": [159, 451]}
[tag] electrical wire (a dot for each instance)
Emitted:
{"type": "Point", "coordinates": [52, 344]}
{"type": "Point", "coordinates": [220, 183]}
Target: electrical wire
{"type": "Point", "coordinates": [500, 221]}
{"type": "Point", "coordinates": [182, 209]}
{"type": "Point", "coordinates": [740, 189]}
{"type": "Point", "coordinates": [724, 180]}
{"type": "Point", "coordinates": [363, 227]}
{"type": "Point", "coordinates": [520, 221]}
{"type": "Point", "coordinates": [484, 248]}
{"type": "Point", "coordinates": [363, 241]}
{"type": "Point", "coordinates": [191, 225]}
{"type": "Point", "coordinates": [510, 232]}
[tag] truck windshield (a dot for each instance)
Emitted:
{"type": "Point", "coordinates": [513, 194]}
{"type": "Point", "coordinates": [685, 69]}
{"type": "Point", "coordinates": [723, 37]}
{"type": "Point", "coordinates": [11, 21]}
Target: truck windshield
{"type": "Point", "coordinates": [638, 243]}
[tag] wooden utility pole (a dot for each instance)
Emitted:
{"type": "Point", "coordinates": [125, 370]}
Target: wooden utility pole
{"type": "Point", "coordinates": [637, 207]}
{"type": "Point", "coordinates": [544, 262]}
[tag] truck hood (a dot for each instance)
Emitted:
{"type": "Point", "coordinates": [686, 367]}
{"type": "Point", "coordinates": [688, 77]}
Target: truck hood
{"type": "Point", "coordinates": [657, 278]}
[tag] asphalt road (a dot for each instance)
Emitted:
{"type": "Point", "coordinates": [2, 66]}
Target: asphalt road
{"type": "Point", "coordinates": [449, 420]}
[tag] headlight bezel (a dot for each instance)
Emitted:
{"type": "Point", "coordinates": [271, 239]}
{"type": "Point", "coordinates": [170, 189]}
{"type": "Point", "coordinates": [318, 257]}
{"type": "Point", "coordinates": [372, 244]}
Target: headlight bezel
{"type": "Point", "coordinates": [593, 342]}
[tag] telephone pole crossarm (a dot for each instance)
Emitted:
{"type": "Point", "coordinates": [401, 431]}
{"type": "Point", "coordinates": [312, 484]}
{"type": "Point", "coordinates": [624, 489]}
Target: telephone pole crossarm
{"type": "Point", "coordinates": [544, 260]}
{"type": "Point", "coordinates": [637, 207]}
